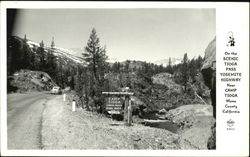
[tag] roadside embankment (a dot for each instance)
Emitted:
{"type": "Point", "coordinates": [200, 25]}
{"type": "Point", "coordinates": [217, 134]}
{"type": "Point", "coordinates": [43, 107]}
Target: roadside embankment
{"type": "Point", "coordinates": [195, 122]}
{"type": "Point", "coordinates": [64, 129]}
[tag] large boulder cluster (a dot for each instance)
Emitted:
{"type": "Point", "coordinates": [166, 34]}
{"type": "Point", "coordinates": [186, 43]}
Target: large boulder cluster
{"type": "Point", "coordinates": [28, 80]}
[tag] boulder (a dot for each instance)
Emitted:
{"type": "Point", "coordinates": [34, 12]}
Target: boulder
{"type": "Point", "coordinates": [209, 65]}
{"type": "Point", "coordinates": [187, 115]}
{"type": "Point", "coordinates": [28, 80]}
{"type": "Point", "coordinates": [195, 122]}
{"type": "Point", "coordinates": [210, 56]}
{"type": "Point", "coordinates": [208, 71]}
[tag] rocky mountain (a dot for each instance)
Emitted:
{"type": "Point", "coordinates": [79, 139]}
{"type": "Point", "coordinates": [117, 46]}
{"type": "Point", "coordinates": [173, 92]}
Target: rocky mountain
{"type": "Point", "coordinates": [65, 55]}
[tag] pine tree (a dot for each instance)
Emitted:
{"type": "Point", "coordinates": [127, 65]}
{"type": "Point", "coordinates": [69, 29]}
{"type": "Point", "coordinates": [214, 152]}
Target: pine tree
{"type": "Point", "coordinates": [199, 62]}
{"type": "Point", "coordinates": [72, 82]}
{"type": "Point", "coordinates": [127, 66]}
{"type": "Point", "coordinates": [41, 58]}
{"type": "Point", "coordinates": [169, 62]}
{"type": "Point", "coordinates": [192, 69]}
{"type": "Point", "coordinates": [169, 68]}
{"type": "Point", "coordinates": [52, 43]}
{"type": "Point", "coordinates": [87, 84]}
{"type": "Point", "coordinates": [27, 61]}
{"type": "Point", "coordinates": [95, 56]}
{"type": "Point", "coordinates": [41, 44]}
{"type": "Point", "coordinates": [116, 67]}
{"type": "Point", "coordinates": [25, 38]}
{"type": "Point", "coordinates": [185, 71]}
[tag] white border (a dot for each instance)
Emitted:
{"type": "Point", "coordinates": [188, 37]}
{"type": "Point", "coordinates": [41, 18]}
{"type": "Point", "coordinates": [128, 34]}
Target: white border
{"type": "Point", "coordinates": [228, 16]}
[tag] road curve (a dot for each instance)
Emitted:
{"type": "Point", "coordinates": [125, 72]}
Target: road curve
{"type": "Point", "coordinates": [24, 117]}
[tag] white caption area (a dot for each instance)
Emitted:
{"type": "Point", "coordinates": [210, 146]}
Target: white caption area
{"type": "Point", "coordinates": [233, 18]}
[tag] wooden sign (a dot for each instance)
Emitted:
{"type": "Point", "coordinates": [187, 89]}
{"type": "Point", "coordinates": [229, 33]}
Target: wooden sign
{"type": "Point", "coordinates": [114, 105]}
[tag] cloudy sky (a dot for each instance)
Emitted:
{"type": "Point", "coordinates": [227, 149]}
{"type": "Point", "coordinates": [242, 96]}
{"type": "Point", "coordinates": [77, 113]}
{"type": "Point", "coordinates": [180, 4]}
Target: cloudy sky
{"type": "Point", "coordinates": [138, 34]}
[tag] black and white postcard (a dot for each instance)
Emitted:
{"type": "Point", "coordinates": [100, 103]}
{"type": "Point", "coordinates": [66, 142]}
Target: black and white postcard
{"type": "Point", "coordinates": [124, 79]}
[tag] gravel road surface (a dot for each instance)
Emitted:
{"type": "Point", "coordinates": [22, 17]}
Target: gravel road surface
{"type": "Point", "coordinates": [24, 117]}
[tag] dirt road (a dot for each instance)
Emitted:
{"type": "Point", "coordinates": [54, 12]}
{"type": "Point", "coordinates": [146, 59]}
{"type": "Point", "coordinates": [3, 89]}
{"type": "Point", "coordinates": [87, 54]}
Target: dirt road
{"type": "Point", "coordinates": [24, 117]}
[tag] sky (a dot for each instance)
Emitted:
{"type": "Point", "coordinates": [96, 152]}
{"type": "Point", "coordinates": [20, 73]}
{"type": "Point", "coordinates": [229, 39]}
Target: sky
{"type": "Point", "coordinates": [136, 34]}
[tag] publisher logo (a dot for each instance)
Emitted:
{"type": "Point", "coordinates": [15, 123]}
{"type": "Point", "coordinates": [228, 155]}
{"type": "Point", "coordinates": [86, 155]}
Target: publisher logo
{"type": "Point", "coordinates": [230, 123]}
{"type": "Point", "coordinates": [230, 39]}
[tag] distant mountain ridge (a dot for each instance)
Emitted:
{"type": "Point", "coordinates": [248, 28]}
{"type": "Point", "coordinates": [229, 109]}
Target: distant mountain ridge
{"type": "Point", "coordinates": [59, 63]}
{"type": "Point", "coordinates": [78, 52]}
{"type": "Point", "coordinates": [75, 55]}
{"type": "Point", "coordinates": [165, 62]}
{"type": "Point", "coordinates": [62, 53]}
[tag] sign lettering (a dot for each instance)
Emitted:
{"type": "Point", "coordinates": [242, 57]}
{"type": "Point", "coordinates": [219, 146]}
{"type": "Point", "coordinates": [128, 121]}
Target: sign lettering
{"type": "Point", "coordinates": [114, 103]}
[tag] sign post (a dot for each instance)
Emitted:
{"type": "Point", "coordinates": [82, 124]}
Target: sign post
{"type": "Point", "coordinates": [125, 116]}
{"type": "Point", "coordinates": [111, 107]}
{"type": "Point", "coordinates": [129, 113]}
